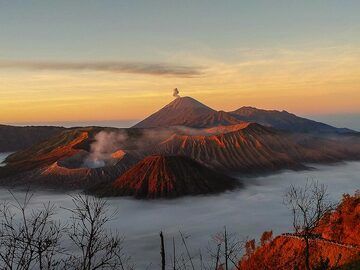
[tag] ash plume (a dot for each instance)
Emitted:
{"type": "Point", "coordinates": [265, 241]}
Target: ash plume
{"type": "Point", "coordinates": [176, 93]}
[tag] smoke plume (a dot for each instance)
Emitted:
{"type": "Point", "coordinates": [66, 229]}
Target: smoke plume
{"type": "Point", "coordinates": [176, 93]}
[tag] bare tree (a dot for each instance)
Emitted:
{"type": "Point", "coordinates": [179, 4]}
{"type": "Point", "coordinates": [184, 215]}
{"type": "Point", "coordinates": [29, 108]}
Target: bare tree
{"type": "Point", "coordinates": [29, 239]}
{"type": "Point", "coordinates": [308, 204]}
{"type": "Point", "coordinates": [183, 239]}
{"type": "Point", "coordinates": [98, 248]}
{"type": "Point", "coordinates": [227, 251]}
{"type": "Point", "coordinates": [174, 254]}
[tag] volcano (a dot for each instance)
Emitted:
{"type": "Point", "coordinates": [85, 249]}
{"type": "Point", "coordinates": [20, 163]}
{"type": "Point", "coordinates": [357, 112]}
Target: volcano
{"type": "Point", "coordinates": [162, 176]}
{"type": "Point", "coordinates": [186, 111]}
{"type": "Point", "coordinates": [185, 148]}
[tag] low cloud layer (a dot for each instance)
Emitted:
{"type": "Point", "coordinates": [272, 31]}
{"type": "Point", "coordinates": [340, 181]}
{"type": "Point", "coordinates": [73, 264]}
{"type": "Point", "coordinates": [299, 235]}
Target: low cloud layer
{"type": "Point", "coordinates": [157, 69]}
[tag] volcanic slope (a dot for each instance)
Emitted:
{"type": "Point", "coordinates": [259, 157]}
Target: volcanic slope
{"type": "Point", "coordinates": [252, 148]}
{"type": "Point", "coordinates": [168, 177]}
{"type": "Point", "coordinates": [60, 162]}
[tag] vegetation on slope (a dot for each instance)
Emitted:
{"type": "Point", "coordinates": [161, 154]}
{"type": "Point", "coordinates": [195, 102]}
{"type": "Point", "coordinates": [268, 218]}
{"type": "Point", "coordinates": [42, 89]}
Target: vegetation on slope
{"type": "Point", "coordinates": [336, 243]}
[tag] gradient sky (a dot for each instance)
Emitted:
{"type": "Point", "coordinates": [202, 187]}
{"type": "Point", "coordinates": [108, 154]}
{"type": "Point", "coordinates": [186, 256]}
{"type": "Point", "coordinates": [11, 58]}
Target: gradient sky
{"type": "Point", "coordinates": [119, 60]}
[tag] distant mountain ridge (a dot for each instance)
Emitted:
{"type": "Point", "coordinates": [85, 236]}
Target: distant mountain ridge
{"type": "Point", "coordinates": [14, 138]}
{"type": "Point", "coordinates": [284, 120]}
{"type": "Point", "coordinates": [186, 111]}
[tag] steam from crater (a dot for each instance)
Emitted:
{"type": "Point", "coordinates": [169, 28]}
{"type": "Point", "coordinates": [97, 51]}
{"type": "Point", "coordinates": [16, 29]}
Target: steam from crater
{"type": "Point", "coordinates": [176, 93]}
{"type": "Point", "coordinates": [105, 144]}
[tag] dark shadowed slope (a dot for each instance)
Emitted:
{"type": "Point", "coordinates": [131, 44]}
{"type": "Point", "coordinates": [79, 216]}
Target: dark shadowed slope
{"type": "Point", "coordinates": [186, 111]}
{"type": "Point", "coordinates": [284, 121]}
{"type": "Point", "coordinates": [168, 177]}
{"type": "Point", "coordinates": [14, 138]}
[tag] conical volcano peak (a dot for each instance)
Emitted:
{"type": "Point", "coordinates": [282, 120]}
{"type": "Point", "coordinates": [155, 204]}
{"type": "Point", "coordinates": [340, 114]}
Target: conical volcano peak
{"type": "Point", "coordinates": [186, 111]}
{"type": "Point", "coordinates": [186, 102]}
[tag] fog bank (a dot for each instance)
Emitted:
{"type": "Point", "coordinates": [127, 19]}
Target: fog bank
{"type": "Point", "coordinates": [248, 212]}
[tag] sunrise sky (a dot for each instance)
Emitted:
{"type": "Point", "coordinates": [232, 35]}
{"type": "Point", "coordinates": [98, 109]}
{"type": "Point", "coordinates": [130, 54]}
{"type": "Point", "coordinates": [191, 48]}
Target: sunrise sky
{"type": "Point", "coordinates": [88, 61]}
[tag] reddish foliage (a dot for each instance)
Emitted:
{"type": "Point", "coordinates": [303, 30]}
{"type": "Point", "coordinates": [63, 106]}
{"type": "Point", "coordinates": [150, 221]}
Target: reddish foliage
{"type": "Point", "coordinates": [343, 225]}
{"type": "Point", "coordinates": [286, 251]}
{"type": "Point", "coordinates": [250, 247]}
{"type": "Point", "coordinates": [266, 237]}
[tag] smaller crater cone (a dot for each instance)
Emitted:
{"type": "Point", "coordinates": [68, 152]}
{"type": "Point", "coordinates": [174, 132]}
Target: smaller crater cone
{"type": "Point", "coordinates": [169, 177]}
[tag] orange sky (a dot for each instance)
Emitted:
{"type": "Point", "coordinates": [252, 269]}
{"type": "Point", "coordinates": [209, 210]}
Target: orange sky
{"type": "Point", "coordinates": [308, 81]}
